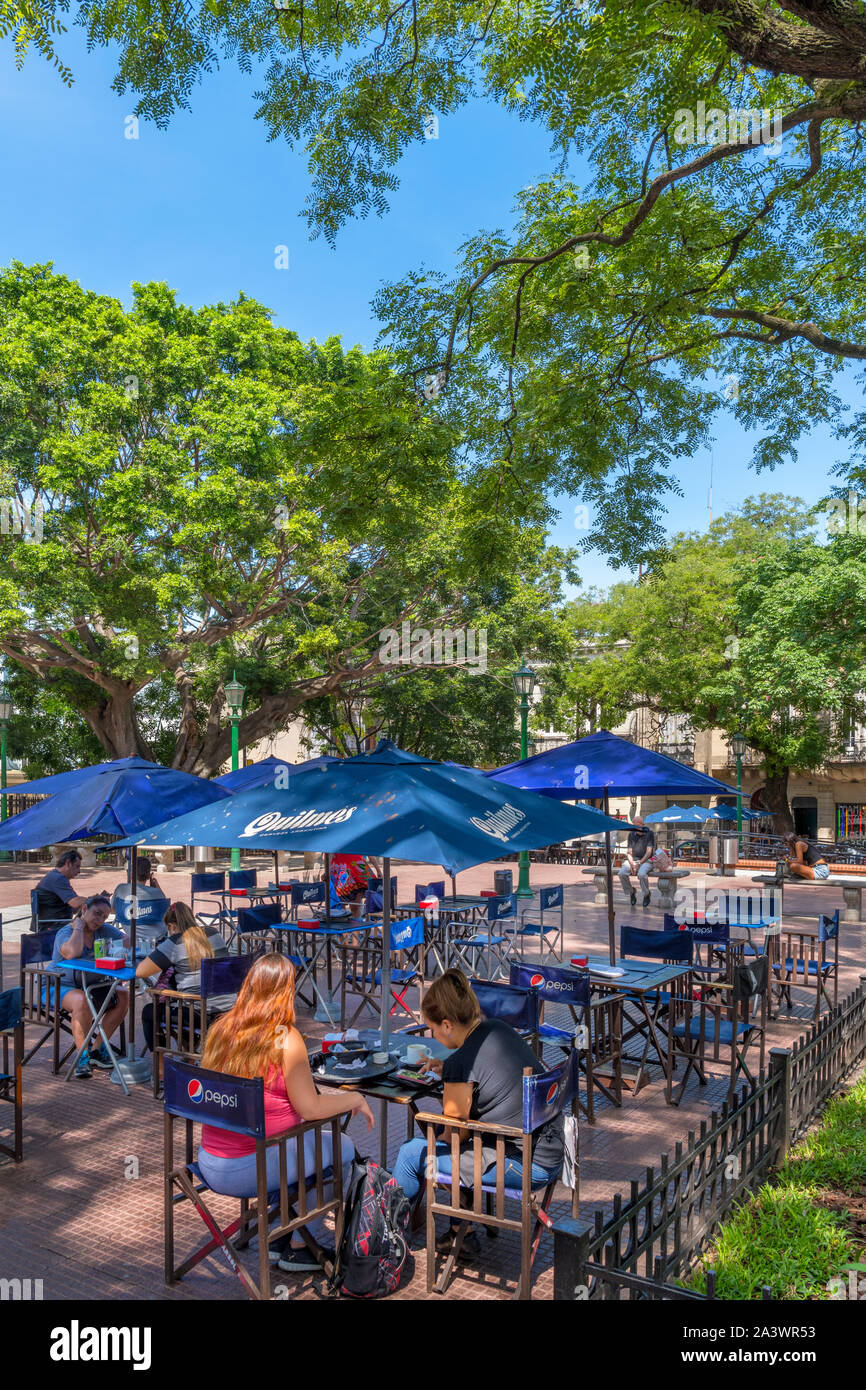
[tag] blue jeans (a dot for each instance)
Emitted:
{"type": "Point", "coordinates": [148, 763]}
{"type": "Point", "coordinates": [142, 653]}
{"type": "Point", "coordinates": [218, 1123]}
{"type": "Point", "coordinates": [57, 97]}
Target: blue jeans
{"type": "Point", "coordinates": [236, 1177]}
{"type": "Point", "coordinates": [410, 1170]}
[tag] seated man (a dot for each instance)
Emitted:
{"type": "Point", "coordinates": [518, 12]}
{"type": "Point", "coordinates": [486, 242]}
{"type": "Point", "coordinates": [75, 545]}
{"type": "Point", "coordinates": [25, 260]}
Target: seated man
{"type": "Point", "coordinates": [56, 899]}
{"type": "Point", "coordinates": [150, 921]}
{"type": "Point", "coordinates": [804, 860]}
{"type": "Point", "coordinates": [75, 942]}
{"type": "Point", "coordinates": [640, 848]}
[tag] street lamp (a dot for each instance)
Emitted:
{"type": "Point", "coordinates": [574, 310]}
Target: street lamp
{"type": "Point", "coordinates": [234, 693]}
{"type": "Point", "coordinates": [5, 716]}
{"type": "Point", "coordinates": [738, 747]}
{"type": "Point", "coordinates": [524, 683]}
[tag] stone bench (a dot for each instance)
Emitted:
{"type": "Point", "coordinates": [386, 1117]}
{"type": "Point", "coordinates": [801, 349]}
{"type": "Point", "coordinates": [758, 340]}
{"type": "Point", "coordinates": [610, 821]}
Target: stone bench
{"type": "Point", "coordinates": [852, 892]}
{"type": "Point", "coordinates": [666, 882]}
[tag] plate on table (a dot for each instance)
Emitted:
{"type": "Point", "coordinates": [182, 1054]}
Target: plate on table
{"type": "Point", "coordinates": [344, 1067]}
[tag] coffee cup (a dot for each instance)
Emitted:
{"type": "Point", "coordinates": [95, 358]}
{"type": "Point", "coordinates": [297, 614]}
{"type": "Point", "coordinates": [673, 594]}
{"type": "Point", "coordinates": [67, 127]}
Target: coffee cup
{"type": "Point", "coordinates": [416, 1053]}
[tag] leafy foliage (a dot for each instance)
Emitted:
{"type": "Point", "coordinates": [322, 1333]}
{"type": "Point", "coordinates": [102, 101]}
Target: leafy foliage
{"type": "Point", "coordinates": [220, 496]}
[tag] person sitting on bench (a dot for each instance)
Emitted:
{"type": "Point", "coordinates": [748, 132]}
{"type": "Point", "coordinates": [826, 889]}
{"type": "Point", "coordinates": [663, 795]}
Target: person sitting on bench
{"type": "Point", "coordinates": [804, 860]}
{"type": "Point", "coordinates": [640, 847]}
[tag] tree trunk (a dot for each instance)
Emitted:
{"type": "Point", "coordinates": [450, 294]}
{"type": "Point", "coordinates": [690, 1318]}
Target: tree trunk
{"type": "Point", "coordinates": [774, 795]}
{"type": "Point", "coordinates": [113, 720]}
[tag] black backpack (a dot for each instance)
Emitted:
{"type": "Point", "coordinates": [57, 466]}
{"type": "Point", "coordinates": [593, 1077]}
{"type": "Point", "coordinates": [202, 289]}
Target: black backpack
{"type": "Point", "coordinates": [373, 1251]}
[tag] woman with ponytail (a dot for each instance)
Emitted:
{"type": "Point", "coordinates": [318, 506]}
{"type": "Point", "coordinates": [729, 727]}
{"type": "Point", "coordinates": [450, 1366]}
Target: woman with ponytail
{"type": "Point", "coordinates": [258, 1037]}
{"type": "Point", "coordinates": [188, 943]}
{"type": "Point", "coordinates": [483, 1081]}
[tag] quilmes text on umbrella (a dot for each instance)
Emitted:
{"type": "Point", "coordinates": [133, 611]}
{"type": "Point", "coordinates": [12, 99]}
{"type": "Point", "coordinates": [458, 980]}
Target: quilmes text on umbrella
{"type": "Point", "coordinates": [436, 646]}
{"type": "Point", "coordinates": [500, 824]}
{"type": "Point", "coordinates": [272, 821]}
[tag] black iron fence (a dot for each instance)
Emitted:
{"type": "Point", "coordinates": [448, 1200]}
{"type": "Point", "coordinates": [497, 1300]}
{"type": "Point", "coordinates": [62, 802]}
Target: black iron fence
{"type": "Point", "coordinates": [655, 1235]}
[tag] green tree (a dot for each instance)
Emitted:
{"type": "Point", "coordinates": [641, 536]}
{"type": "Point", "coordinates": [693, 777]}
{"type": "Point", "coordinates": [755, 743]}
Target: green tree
{"type": "Point", "coordinates": [755, 626]}
{"type": "Point", "coordinates": [218, 495]}
{"type": "Point", "coordinates": [586, 343]}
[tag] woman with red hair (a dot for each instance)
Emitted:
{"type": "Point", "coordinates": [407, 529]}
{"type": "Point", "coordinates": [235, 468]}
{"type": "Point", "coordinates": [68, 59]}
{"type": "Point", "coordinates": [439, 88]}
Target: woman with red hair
{"type": "Point", "coordinates": [258, 1037]}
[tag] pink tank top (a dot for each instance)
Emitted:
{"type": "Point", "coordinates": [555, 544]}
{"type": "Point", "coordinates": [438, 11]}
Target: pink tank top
{"type": "Point", "coordinates": [280, 1114]}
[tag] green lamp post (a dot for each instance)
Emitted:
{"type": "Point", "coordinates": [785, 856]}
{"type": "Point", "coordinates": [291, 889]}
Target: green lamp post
{"type": "Point", "coordinates": [234, 692]}
{"type": "Point", "coordinates": [5, 716]}
{"type": "Point", "coordinates": [524, 682]}
{"type": "Point", "coordinates": [738, 747]}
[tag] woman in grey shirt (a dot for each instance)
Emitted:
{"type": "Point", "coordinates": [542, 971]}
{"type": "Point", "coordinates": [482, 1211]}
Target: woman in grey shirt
{"type": "Point", "coordinates": [182, 951]}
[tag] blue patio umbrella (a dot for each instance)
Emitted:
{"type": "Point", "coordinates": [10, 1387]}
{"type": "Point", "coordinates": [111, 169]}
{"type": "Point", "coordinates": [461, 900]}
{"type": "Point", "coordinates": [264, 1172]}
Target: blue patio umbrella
{"type": "Point", "coordinates": [605, 763]}
{"type": "Point", "coordinates": [266, 770]}
{"type": "Point", "coordinates": [389, 803]}
{"type": "Point", "coordinates": [121, 798]}
{"type": "Point", "coordinates": [729, 813]}
{"type": "Point", "coordinates": [600, 766]}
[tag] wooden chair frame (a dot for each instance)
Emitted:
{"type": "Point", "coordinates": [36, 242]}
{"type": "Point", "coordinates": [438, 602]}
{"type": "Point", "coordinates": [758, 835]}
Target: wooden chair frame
{"type": "Point", "coordinates": [10, 1077]}
{"type": "Point", "coordinates": [804, 948]}
{"type": "Point", "coordinates": [182, 1185]}
{"type": "Point", "coordinates": [533, 1209]}
{"type": "Point", "coordinates": [723, 1001]}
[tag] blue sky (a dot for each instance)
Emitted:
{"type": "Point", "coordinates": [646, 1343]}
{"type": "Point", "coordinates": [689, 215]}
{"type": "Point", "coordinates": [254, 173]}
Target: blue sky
{"type": "Point", "coordinates": [204, 205]}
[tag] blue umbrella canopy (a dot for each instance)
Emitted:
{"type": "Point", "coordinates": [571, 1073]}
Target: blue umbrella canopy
{"type": "Point", "coordinates": [253, 775]}
{"type": "Point", "coordinates": [729, 813]}
{"type": "Point", "coordinates": [388, 803]}
{"type": "Point", "coordinates": [261, 773]}
{"type": "Point", "coordinates": [601, 763]}
{"type": "Point", "coordinates": [676, 815]}
{"type": "Point", "coordinates": [121, 798]}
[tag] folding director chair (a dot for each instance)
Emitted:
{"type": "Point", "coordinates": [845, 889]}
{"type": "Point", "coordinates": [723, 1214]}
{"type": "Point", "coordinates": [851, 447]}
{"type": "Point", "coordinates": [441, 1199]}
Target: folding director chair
{"type": "Point", "coordinates": [40, 994]}
{"type": "Point", "coordinates": [594, 1031]}
{"type": "Point", "coordinates": [804, 963]}
{"type": "Point", "coordinates": [549, 899]}
{"type": "Point", "coordinates": [182, 1016]}
{"type": "Point", "coordinates": [193, 1097]}
{"type": "Point", "coordinates": [11, 1062]}
{"type": "Point", "coordinates": [545, 1097]}
{"type": "Point", "coordinates": [724, 1018]}
{"type": "Point", "coordinates": [496, 947]}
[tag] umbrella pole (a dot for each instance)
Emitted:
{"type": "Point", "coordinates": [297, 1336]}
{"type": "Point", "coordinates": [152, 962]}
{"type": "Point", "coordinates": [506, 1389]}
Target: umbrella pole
{"type": "Point", "coordinates": [135, 1071]}
{"type": "Point", "coordinates": [325, 1012]}
{"type": "Point", "coordinates": [385, 1020]}
{"type": "Point", "coordinates": [611, 936]}
{"type": "Point", "coordinates": [454, 886]}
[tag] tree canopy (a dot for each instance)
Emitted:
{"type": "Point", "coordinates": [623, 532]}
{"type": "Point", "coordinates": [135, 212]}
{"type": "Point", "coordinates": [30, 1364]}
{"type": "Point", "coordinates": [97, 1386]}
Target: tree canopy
{"type": "Point", "coordinates": [220, 496]}
{"type": "Point", "coordinates": [756, 627]}
{"type": "Point", "coordinates": [712, 261]}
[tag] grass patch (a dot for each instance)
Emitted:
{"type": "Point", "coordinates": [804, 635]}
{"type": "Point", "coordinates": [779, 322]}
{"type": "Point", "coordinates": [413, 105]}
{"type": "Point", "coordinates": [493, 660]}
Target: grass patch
{"type": "Point", "coordinates": [784, 1235]}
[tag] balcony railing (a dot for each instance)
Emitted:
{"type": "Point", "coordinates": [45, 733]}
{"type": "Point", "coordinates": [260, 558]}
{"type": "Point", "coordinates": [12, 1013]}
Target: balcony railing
{"type": "Point", "coordinates": [852, 753]}
{"type": "Point", "coordinates": [751, 758]}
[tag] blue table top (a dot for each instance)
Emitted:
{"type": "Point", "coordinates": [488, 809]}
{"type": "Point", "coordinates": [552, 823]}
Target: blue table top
{"type": "Point", "coordinates": [92, 967]}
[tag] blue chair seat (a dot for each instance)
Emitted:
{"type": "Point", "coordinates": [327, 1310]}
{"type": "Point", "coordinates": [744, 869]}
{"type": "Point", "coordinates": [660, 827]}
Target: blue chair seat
{"type": "Point", "coordinates": [812, 968]}
{"type": "Point", "coordinates": [513, 1182]}
{"type": "Point", "coordinates": [536, 929]}
{"type": "Point", "coordinates": [554, 1034]}
{"type": "Point", "coordinates": [727, 1030]}
{"type": "Point", "coordinates": [398, 977]}
{"type": "Point", "coordinates": [482, 941]}
{"type": "Point", "coordinates": [653, 997]}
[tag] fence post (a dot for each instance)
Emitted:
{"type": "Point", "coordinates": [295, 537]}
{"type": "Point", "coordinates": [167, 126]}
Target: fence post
{"type": "Point", "coordinates": [780, 1071]}
{"type": "Point", "coordinates": [570, 1254]}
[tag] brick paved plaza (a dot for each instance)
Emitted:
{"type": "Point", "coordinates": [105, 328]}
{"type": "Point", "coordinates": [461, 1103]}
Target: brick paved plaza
{"type": "Point", "coordinates": [70, 1216]}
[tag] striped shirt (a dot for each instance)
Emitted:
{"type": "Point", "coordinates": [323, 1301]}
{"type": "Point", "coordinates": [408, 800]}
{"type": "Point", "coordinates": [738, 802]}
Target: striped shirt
{"type": "Point", "coordinates": [170, 954]}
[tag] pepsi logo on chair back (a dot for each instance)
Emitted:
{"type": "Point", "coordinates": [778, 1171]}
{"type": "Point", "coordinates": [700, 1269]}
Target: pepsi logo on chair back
{"type": "Point", "coordinates": [210, 1097]}
{"type": "Point", "coordinates": [552, 982]}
